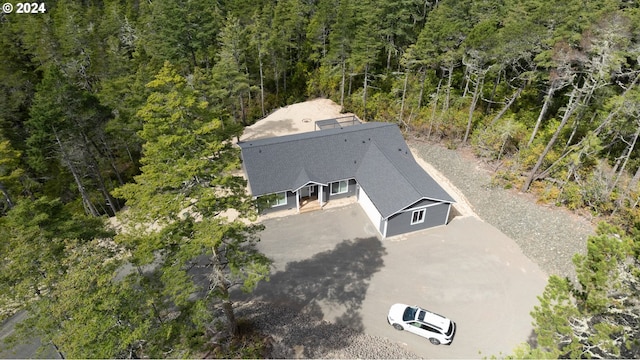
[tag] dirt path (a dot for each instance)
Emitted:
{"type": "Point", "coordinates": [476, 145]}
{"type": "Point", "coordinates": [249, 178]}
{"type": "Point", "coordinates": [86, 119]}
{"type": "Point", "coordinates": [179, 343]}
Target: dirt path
{"type": "Point", "coordinates": [293, 119]}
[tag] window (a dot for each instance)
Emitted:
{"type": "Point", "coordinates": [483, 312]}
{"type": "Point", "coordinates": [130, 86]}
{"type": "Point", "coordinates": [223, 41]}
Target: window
{"type": "Point", "coordinates": [279, 200]}
{"type": "Point", "coordinates": [339, 187]}
{"type": "Point", "coordinates": [417, 216]}
{"type": "Point", "coordinates": [429, 328]}
{"type": "Point", "coordinates": [409, 313]}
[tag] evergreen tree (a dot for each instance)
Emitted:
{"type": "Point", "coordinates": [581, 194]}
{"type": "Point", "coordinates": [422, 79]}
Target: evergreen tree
{"type": "Point", "coordinates": [399, 22]}
{"type": "Point", "coordinates": [285, 40]}
{"type": "Point", "coordinates": [598, 318]}
{"type": "Point", "coordinates": [187, 207]}
{"type": "Point", "coordinates": [258, 38]}
{"type": "Point", "coordinates": [230, 81]}
{"type": "Point", "coordinates": [64, 123]}
{"type": "Point", "coordinates": [183, 32]}
{"type": "Point", "coordinates": [340, 45]}
{"type": "Point", "coordinates": [319, 29]}
{"type": "Point", "coordinates": [439, 44]}
{"type": "Point", "coordinates": [35, 239]}
{"type": "Point", "coordinates": [10, 175]}
{"type": "Point", "coordinates": [366, 46]}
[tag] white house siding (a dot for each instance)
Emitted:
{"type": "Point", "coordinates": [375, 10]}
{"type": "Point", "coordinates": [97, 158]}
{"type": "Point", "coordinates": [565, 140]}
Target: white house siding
{"type": "Point", "coordinates": [370, 210]}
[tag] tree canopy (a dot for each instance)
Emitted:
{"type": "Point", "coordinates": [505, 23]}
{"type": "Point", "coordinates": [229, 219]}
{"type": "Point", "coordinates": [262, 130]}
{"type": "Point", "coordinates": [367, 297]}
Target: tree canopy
{"type": "Point", "coordinates": [112, 103]}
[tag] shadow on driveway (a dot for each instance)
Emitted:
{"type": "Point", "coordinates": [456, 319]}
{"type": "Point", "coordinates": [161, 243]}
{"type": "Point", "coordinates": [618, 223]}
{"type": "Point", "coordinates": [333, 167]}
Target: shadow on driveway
{"type": "Point", "coordinates": [332, 283]}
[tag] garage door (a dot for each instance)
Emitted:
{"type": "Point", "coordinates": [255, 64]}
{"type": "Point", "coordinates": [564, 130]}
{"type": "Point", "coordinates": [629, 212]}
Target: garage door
{"type": "Point", "coordinates": [369, 209]}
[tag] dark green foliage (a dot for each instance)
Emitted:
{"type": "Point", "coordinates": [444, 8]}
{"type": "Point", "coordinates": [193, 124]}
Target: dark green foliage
{"type": "Point", "coordinates": [183, 32]}
{"type": "Point", "coordinates": [548, 90]}
{"type": "Point", "coordinates": [37, 230]}
{"type": "Point", "coordinates": [181, 218]}
{"type": "Point", "coordinates": [600, 316]}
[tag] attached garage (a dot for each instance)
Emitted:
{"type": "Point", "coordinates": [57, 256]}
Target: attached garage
{"type": "Point", "coordinates": [413, 219]}
{"type": "Point", "coordinates": [370, 209]}
{"type": "Point", "coordinates": [371, 159]}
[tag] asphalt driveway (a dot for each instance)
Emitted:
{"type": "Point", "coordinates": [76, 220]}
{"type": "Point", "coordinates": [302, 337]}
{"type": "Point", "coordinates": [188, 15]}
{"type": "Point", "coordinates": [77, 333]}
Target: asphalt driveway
{"type": "Point", "coordinates": [331, 264]}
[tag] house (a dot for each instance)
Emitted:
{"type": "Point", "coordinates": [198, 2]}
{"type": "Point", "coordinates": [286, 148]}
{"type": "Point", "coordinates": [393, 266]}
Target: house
{"type": "Point", "coordinates": [370, 161]}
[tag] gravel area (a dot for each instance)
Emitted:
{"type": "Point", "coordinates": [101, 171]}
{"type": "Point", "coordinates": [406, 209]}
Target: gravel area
{"type": "Point", "coordinates": [547, 235]}
{"type": "Point", "coordinates": [302, 336]}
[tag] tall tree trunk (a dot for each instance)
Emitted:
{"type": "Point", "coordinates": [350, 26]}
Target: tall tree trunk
{"type": "Point", "coordinates": [389, 54]}
{"type": "Point", "coordinates": [434, 108]}
{"type": "Point", "coordinates": [422, 83]}
{"type": "Point", "coordinates": [103, 188]}
{"type": "Point", "coordinates": [404, 94]}
{"type": "Point", "coordinates": [364, 95]}
{"type": "Point", "coordinates": [5, 192]}
{"type": "Point", "coordinates": [243, 115]}
{"type": "Point", "coordinates": [98, 175]}
{"type": "Point", "coordinates": [284, 80]}
{"type": "Point", "coordinates": [445, 106]}
{"type": "Point", "coordinates": [221, 283]}
{"type": "Point", "coordinates": [633, 184]}
{"type": "Point", "coordinates": [600, 127]}
{"type": "Point", "coordinates": [325, 36]}
{"type": "Point", "coordinates": [344, 71]}
{"type": "Point", "coordinates": [108, 153]}
{"type": "Point", "coordinates": [350, 82]}
{"type": "Point", "coordinates": [506, 106]}
{"type": "Point", "coordinates": [628, 153]}
{"type": "Point", "coordinates": [86, 201]}
{"type": "Point", "coordinates": [261, 83]}
{"type": "Point", "coordinates": [467, 80]}
{"type": "Point", "coordinates": [566, 153]}
{"type": "Point", "coordinates": [545, 106]}
{"type": "Point", "coordinates": [571, 106]}
{"type": "Point", "coordinates": [474, 102]}
{"type": "Point", "coordinates": [493, 92]}
{"type": "Point", "coordinates": [276, 76]}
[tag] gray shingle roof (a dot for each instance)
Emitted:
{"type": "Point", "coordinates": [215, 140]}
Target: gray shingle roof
{"type": "Point", "coordinates": [375, 154]}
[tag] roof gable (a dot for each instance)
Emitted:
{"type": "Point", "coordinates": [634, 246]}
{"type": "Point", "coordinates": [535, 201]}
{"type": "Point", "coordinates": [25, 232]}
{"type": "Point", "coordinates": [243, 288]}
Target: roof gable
{"type": "Point", "coordinates": [383, 183]}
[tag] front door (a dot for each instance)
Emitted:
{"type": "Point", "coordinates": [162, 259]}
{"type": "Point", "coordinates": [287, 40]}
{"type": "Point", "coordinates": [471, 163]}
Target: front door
{"type": "Point", "coordinates": [307, 191]}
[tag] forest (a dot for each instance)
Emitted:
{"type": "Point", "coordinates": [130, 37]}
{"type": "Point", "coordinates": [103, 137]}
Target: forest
{"type": "Point", "coordinates": [134, 102]}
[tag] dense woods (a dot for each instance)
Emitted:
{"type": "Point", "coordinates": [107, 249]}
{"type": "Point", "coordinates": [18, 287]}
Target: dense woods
{"type": "Point", "coordinates": [114, 102]}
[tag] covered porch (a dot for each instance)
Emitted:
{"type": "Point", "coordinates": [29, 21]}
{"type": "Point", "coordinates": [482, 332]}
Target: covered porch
{"type": "Point", "coordinates": [310, 197]}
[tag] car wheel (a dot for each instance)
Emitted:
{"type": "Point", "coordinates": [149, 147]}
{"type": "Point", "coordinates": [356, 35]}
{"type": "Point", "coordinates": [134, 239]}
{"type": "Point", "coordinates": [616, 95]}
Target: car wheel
{"type": "Point", "coordinates": [434, 341]}
{"type": "Point", "coordinates": [398, 327]}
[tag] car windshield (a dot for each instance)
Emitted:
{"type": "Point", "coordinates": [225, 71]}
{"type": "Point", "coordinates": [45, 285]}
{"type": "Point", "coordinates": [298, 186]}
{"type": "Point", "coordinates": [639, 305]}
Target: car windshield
{"type": "Point", "coordinates": [409, 314]}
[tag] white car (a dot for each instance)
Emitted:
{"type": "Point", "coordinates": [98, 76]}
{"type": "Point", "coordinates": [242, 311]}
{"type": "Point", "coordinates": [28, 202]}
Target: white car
{"type": "Point", "coordinates": [438, 329]}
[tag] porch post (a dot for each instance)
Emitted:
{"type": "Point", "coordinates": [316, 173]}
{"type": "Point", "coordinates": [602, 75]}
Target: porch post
{"type": "Point", "coordinates": [298, 200]}
{"type": "Point", "coordinates": [321, 195]}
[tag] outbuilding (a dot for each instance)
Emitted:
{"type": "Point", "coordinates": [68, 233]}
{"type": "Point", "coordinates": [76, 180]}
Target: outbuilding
{"type": "Point", "coordinates": [370, 161]}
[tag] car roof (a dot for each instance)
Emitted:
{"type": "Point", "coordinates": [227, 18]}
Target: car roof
{"type": "Point", "coordinates": [432, 318]}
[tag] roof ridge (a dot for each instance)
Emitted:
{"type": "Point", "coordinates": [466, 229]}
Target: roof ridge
{"type": "Point", "coordinates": [394, 165]}
{"type": "Point", "coordinates": [304, 135]}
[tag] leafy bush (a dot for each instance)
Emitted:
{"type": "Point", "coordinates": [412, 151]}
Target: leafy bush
{"type": "Point", "coordinates": [502, 139]}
